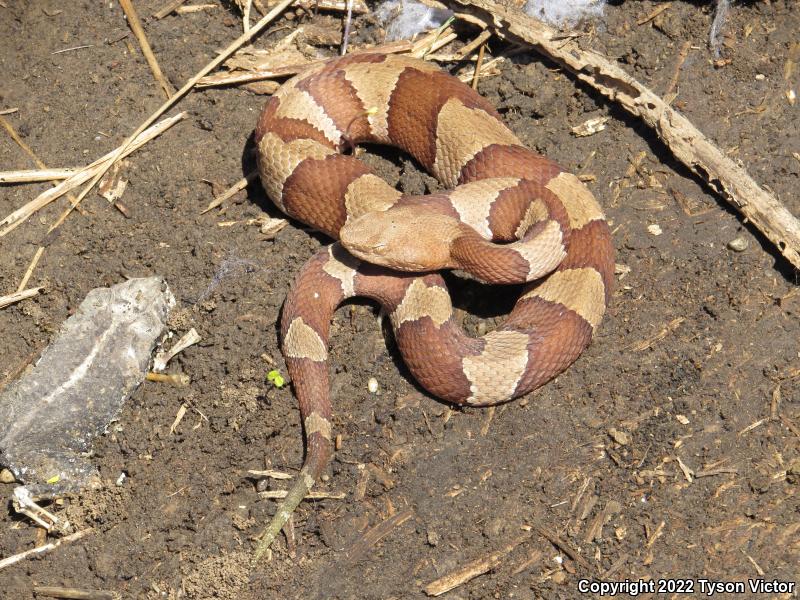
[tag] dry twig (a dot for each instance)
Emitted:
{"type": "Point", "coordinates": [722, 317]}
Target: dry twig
{"type": "Point", "coordinates": [416, 48]}
{"type": "Point", "coordinates": [17, 296]}
{"type": "Point", "coordinates": [472, 569]}
{"type": "Point", "coordinates": [29, 151]}
{"type": "Point", "coordinates": [31, 267]}
{"type": "Point", "coordinates": [35, 175]}
{"type": "Point", "coordinates": [17, 217]}
{"type": "Point", "coordinates": [221, 57]}
{"type": "Point", "coordinates": [279, 494]}
{"type": "Point", "coordinates": [193, 8]}
{"type": "Point", "coordinates": [478, 65]}
{"type": "Point", "coordinates": [231, 191]}
{"type": "Point", "coordinates": [168, 8]}
{"type": "Point", "coordinates": [75, 593]}
{"type": "Point", "coordinates": [11, 560]}
{"type": "Point", "coordinates": [136, 26]}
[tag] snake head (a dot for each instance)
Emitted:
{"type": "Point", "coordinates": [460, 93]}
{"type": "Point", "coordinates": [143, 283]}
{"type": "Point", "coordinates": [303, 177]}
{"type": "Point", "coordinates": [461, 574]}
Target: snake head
{"type": "Point", "coordinates": [404, 238]}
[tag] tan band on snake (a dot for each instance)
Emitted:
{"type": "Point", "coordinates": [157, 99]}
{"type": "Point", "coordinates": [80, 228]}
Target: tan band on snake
{"type": "Point", "coordinates": [511, 216]}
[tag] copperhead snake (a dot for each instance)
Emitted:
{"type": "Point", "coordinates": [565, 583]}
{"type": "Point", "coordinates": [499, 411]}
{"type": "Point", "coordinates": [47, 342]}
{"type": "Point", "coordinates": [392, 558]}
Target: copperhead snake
{"type": "Point", "coordinates": [511, 216]}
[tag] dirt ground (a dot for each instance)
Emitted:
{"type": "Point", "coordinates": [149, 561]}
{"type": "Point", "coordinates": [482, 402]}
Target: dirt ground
{"type": "Point", "coordinates": [668, 450]}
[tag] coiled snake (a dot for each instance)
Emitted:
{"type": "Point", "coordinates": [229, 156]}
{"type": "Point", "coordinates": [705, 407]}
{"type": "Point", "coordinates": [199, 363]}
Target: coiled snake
{"type": "Point", "coordinates": [511, 216]}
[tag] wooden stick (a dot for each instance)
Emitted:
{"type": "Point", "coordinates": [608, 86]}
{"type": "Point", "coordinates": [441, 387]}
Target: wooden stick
{"type": "Point", "coordinates": [686, 142]}
{"type": "Point", "coordinates": [561, 545]}
{"type": "Point", "coordinates": [31, 267]}
{"type": "Point", "coordinates": [136, 26]}
{"type": "Point", "coordinates": [248, 5]}
{"type": "Point", "coordinates": [11, 560]}
{"type": "Point", "coordinates": [231, 191]}
{"type": "Point", "coordinates": [279, 494]}
{"type": "Point", "coordinates": [221, 57]}
{"type": "Point", "coordinates": [348, 20]}
{"type": "Point", "coordinates": [168, 8]}
{"type": "Point", "coordinates": [17, 296]}
{"type": "Point", "coordinates": [472, 569]}
{"type": "Point", "coordinates": [75, 593]}
{"type": "Point", "coordinates": [467, 48]}
{"type": "Point", "coordinates": [35, 175]}
{"type": "Point", "coordinates": [478, 64]}
{"type": "Point", "coordinates": [193, 8]}
{"type": "Point", "coordinates": [654, 14]}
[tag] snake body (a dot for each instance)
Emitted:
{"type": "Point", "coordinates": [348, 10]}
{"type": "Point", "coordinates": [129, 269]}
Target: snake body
{"type": "Point", "coordinates": [510, 216]}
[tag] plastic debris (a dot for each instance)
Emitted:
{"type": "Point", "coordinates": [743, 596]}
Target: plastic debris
{"type": "Point", "coordinates": [405, 18]}
{"type": "Point", "coordinates": [49, 417]}
{"type": "Point", "coordinates": [558, 12]}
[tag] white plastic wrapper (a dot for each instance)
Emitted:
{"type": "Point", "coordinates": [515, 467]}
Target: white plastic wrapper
{"type": "Point", "coordinates": [403, 19]}
{"type": "Point", "coordinates": [564, 12]}
{"type": "Point", "coordinates": [50, 416]}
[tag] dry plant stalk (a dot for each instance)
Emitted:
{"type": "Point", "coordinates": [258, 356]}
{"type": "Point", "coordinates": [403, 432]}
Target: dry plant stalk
{"type": "Point", "coordinates": [136, 26]}
{"type": "Point", "coordinates": [231, 191]}
{"type": "Point", "coordinates": [29, 151]}
{"type": "Point", "coordinates": [193, 8]}
{"type": "Point", "coordinates": [418, 48]}
{"type": "Point", "coordinates": [82, 175]}
{"type": "Point", "coordinates": [280, 494]}
{"type": "Point", "coordinates": [478, 65]}
{"type": "Point", "coordinates": [35, 175]}
{"type": "Point", "coordinates": [359, 6]}
{"type": "Point", "coordinates": [11, 560]}
{"type": "Point", "coordinates": [75, 593]}
{"type": "Point", "coordinates": [686, 142]}
{"type": "Point", "coordinates": [17, 296]}
{"type": "Point", "coordinates": [221, 57]}
{"type": "Point", "coordinates": [472, 569]}
{"type": "Point", "coordinates": [31, 267]}
{"type": "Point", "coordinates": [168, 8]}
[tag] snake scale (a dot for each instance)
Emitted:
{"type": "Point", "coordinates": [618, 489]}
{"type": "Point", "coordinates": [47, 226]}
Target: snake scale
{"type": "Point", "coordinates": [510, 216]}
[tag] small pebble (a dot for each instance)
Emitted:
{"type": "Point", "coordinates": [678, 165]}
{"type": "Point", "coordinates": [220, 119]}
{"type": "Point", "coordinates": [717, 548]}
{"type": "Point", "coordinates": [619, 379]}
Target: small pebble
{"type": "Point", "coordinates": [618, 436]}
{"type": "Point", "coordinates": [372, 385]}
{"type": "Point", "coordinates": [7, 476]}
{"type": "Point", "coordinates": [654, 229]}
{"type": "Point", "coordinates": [121, 479]}
{"type": "Point", "coordinates": [738, 244]}
{"type": "Point", "coordinates": [433, 538]}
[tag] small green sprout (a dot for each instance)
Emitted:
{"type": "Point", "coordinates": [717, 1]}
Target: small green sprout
{"type": "Point", "coordinates": [276, 378]}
